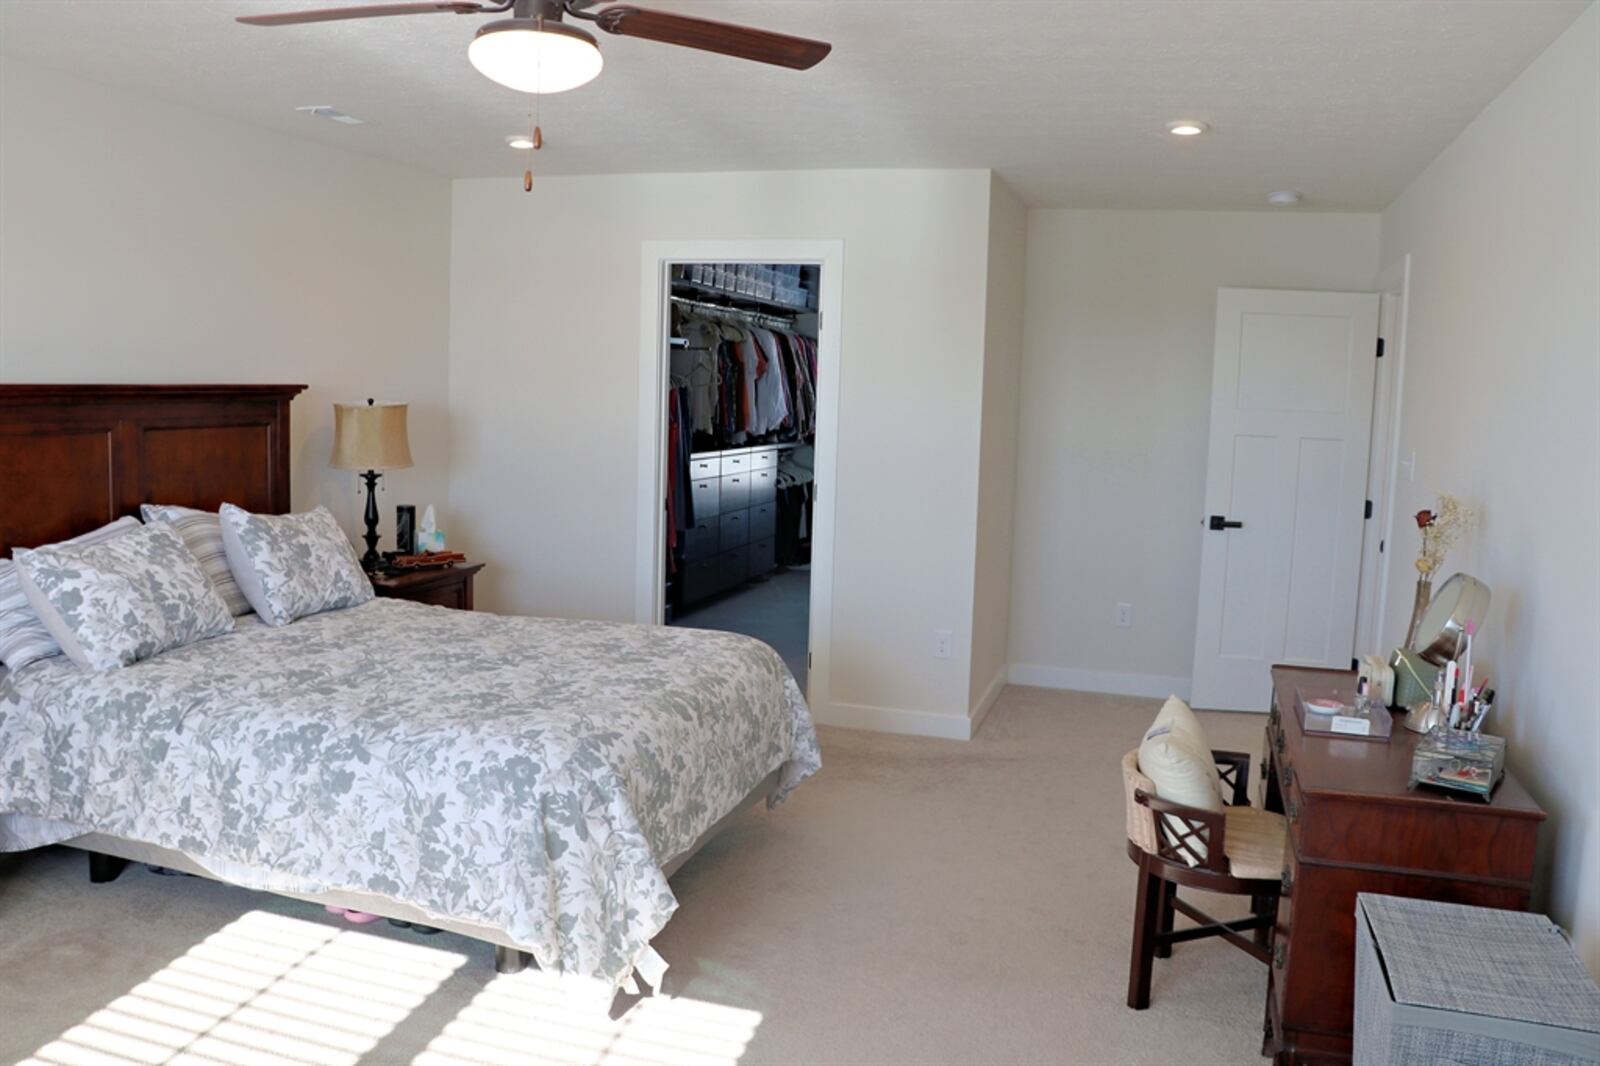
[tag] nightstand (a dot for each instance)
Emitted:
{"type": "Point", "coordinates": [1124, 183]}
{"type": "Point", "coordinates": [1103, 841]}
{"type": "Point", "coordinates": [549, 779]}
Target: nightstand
{"type": "Point", "coordinates": [450, 586]}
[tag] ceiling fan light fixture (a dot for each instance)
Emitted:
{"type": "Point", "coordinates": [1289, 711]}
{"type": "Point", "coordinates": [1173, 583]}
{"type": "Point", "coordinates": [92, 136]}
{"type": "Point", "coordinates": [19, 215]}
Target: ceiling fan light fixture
{"type": "Point", "coordinates": [534, 55]}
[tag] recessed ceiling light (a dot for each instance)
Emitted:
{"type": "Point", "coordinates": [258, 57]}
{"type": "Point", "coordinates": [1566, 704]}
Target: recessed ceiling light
{"type": "Point", "coordinates": [1187, 128]}
{"type": "Point", "coordinates": [520, 141]}
{"type": "Point", "coordinates": [1284, 198]}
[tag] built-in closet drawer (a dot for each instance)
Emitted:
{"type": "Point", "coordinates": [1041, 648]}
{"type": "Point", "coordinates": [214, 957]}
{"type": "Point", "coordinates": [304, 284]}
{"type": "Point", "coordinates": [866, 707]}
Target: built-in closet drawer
{"type": "Point", "coordinates": [763, 486]}
{"type": "Point", "coordinates": [704, 539]}
{"type": "Point", "coordinates": [705, 494]}
{"type": "Point", "coordinates": [702, 578]}
{"type": "Point", "coordinates": [764, 459]}
{"type": "Point", "coordinates": [735, 492]}
{"type": "Point", "coordinates": [763, 520]}
{"type": "Point", "coordinates": [763, 556]}
{"type": "Point", "coordinates": [735, 566]}
{"type": "Point", "coordinates": [735, 529]}
{"type": "Point", "coordinates": [704, 466]}
{"type": "Point", "coordinates": [736, 462]}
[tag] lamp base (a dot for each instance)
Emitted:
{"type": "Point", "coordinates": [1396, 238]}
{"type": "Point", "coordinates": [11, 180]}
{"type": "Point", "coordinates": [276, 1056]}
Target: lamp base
{"type": "Point", "coordinates": [371, 561]}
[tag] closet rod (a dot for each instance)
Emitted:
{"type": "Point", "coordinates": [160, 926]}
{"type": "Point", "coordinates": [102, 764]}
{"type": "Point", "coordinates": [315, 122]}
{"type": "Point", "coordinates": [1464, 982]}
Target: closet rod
{"type": "Point", "coordinates": [757, 318]}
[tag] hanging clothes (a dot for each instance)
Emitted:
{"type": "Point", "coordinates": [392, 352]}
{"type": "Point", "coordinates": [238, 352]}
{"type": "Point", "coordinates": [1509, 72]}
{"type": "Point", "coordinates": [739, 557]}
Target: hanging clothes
{"type": "Point", "coordinates": [772, 405]}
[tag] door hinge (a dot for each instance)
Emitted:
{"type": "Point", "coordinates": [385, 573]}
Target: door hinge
{"type": "Point", "coordinates": [1355, 664]}
{"type": "Point", "coordinates": [1367, 512]}
{"type": "Point", "coordinates": [808, 660]}
{"type": "Point", "coordinates": [1380, 347]}
{"type": "Point", "coordinates": [1381, 543]}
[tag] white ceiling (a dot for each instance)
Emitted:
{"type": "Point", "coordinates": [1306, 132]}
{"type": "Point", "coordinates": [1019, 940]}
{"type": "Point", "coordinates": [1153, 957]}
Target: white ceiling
{"type": "Point", "coordinates": [1343, 100]}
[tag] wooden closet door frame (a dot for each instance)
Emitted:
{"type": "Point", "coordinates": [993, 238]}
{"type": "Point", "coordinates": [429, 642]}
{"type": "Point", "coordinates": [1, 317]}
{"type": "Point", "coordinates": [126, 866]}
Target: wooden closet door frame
{"type": "Point", "coordinates": [657, 257]}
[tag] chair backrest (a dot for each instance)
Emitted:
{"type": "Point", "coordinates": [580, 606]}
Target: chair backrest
{"type": "Point", "coordinates": [1141, 822]}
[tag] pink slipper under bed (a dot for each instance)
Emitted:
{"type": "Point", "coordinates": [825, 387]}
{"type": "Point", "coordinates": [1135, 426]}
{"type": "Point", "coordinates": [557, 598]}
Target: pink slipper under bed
{"type": "Point", "coordinates": [357, 917]}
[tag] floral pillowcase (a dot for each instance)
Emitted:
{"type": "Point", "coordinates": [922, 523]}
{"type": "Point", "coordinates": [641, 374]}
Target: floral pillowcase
{"type": "Point", "coordinates": [123, 600]}
{"type": "Point", "coordinates": [292, 565]}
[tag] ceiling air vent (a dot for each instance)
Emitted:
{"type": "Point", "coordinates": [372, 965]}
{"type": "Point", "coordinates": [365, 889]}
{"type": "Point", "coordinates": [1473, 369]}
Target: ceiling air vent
{"type": "Point", "coordinates": [333, 113]}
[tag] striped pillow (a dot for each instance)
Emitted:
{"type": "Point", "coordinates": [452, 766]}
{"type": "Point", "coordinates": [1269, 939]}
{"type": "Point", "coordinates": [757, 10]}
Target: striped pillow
{"type": "Point", "coordinates": [23, 638]}
{"type": "Point", "coordinates": [202, 534]}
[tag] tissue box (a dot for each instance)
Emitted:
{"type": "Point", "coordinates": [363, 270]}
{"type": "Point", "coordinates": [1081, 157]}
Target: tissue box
{"type": "Point", "coordinates": [1440, 982]}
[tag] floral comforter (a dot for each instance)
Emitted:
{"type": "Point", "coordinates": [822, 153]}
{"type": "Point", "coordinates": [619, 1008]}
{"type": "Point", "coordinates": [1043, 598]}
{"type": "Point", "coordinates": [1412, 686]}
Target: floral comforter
{"type": "Point", "coordinates": [528, 774]}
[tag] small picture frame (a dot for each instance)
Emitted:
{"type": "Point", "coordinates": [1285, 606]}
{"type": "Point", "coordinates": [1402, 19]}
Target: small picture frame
{"type": "Point", "coordinates": [405, 529]}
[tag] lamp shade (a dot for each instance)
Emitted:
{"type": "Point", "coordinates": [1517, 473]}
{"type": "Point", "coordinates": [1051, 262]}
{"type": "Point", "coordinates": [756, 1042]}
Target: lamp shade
{"type": "Point", "coordinates": [370, 436]}
{"type": "Point", "coordinates": [531, 55]}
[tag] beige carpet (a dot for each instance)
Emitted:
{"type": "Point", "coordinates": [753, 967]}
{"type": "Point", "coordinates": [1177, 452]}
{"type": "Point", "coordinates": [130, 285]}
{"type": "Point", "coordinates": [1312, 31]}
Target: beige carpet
{"type": "Point", "coordinates": [919, 901]}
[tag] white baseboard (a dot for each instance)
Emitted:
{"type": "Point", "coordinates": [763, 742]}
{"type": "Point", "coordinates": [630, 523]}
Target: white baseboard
{"type": "Point", "coordinates": [894, 720]}
{"type": "Point", "coordinates": [1152, 686]}
{"type": "Point", "coordinates": [986, 701]}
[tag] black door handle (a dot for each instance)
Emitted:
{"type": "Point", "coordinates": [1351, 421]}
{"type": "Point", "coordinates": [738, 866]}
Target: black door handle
{"type": "Point", "coordinates": [1220, 523]}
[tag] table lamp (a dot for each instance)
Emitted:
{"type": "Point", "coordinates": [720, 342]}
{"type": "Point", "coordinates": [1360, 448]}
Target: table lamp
{"type": "Point", "coordinates": [370, 437]}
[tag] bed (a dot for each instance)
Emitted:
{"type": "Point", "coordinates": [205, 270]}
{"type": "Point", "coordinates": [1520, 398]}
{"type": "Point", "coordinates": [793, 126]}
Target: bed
{"type": "Point", "coordinates": [527, 782]}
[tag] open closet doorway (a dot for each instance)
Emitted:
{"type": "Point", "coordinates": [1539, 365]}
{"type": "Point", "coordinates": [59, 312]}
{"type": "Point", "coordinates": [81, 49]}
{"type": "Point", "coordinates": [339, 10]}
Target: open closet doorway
{"type": "Point", "coordinates": [742, 416]}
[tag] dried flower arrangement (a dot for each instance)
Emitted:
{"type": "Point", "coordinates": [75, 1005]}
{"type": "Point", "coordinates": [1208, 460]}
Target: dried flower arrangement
{"type": "Point", "coordinates": [1441, 528]}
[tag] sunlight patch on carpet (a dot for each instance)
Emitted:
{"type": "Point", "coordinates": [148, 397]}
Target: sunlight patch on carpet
{"type": "Point", "coordinates": [263, 989]}
{"type": "Point", "coordinates": [536, 1018]}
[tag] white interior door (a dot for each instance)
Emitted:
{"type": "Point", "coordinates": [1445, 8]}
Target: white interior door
{"type": "Point", "coordinates": [1291, 416]}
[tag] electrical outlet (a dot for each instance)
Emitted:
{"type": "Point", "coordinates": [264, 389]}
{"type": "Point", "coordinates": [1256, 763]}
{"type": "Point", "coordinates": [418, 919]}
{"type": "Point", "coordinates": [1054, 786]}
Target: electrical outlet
{"type": "Point", "coordinates": [1124, 615]}
{"type": "Point", "coordinates": [941, 643]}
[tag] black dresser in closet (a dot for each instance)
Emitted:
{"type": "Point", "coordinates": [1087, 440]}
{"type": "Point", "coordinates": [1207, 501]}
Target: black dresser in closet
{"type": "Point", "coordinates": [735, 519]}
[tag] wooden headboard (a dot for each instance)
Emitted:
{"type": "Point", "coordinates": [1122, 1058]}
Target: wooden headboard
{"type": "Point", "coordinates": [74, 457]}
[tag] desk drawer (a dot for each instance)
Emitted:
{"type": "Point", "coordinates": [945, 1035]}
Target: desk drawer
{"type": "Point", "coordinates": [734, 492]}
{"type": "Point", "coordinates": [735, 529]}
{"type": "Point", "coordinates": [763, 556]}
{"type": "Point", "coordinates": [763, 519]}
{"type": "Point", "coordinates": [735, 568]}
{"type": "Point", "coordinates": [701, 578]}
{"type": "Point", "coordinates": [705, 493]}
{"type": "Point", "coordinates": [763, 486]}
{"type": "Point", "coordinates": [703, 540]}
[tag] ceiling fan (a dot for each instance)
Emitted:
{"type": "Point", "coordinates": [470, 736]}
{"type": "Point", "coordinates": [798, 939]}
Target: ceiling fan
{"type": "Point", "coordinates": [536, 51]}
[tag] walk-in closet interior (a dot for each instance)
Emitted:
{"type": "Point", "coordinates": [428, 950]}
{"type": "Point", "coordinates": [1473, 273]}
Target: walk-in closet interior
{"type": "Point", "coordinates": [741, 435]}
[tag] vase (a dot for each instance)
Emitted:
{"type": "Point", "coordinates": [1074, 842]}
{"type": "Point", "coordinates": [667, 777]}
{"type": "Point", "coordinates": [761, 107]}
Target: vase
{"type": "Point", "coordinates": [1424, 597]}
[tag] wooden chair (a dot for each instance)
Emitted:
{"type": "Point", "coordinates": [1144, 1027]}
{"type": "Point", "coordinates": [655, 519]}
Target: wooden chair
{"type": "Point", "coordinates": [1237, 851]}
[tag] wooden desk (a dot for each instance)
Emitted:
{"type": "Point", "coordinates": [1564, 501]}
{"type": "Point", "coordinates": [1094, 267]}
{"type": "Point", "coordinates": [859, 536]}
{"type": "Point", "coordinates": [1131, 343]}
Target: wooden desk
{"type": "Point", "coordinates": [1355, 826]}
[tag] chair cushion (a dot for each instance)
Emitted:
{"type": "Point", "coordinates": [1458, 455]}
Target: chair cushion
{"type": "Point", "coordinates": [1254, 843]}
{"type": "Point", "coordinates": [1175, 756]}
{"type": "Point", "coordinates": [1141, 820]}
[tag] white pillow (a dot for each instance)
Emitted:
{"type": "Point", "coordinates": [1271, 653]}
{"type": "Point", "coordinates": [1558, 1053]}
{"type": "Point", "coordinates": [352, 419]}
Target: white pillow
{"type": "Point", "coordinates": [292, 565]}
{"type": "Point", "coordinates": [123, 600]}
{"type": "Point", "coordinates": [202, 532]}
{"type": "Point", "coordinates": [1177, 759]}
{"type": "Point", "coordinates": [23, 637]}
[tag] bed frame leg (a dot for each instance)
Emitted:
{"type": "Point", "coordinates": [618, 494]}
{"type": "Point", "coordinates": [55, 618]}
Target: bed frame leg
{"type": "Point", "coordinates": [104, 868]}
{"type": "Point", "coordinates": [510, 960]}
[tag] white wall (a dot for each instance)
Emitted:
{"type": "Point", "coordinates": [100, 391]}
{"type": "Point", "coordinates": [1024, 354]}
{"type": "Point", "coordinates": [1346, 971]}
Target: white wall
{"type": "Point", "coordinates": [544, 384]}
{"type": "Point", "coordinates": [997, 459]}
{"type": "Point", "coordinates": [1502, 379]}
{"type": "Point", "coordinates": [146, 242]}
{"type": "Point", "coordinates": [1116, 388]}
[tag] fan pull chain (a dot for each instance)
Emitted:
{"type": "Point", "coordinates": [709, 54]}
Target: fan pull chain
{"type": "Point", "coordinates": [536, 135]}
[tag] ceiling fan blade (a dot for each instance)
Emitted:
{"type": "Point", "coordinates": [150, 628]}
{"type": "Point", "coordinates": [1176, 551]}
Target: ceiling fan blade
{"type": "Point", "coordinates": [742, 42]}
{"type": "Point", "coordinates": [371, 11]}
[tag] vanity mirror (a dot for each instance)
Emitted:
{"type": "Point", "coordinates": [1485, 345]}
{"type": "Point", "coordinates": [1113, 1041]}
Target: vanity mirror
{"type": "Point", "coordinates": [1441, 634]}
